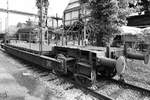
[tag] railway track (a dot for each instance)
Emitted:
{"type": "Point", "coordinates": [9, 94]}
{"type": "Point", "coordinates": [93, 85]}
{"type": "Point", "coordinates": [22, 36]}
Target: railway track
{"type": "Point", "coordinates": [94, 92]}
{"type": "Point", "coordinates": [130, 86]}
{"type": "Point", "coordinates": [71, 80]}
{"type": "Point", "coordinates": [89, 91]}
{"type": "Point", "coordinates": [125, 85]}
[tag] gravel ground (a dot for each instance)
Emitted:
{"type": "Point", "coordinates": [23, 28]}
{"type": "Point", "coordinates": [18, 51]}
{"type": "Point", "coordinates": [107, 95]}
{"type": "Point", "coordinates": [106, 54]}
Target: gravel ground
{"type": "Point", "coordinates": [138, 72]}
{"type": "Point", "coordinates": [120, 93]}
{"type": "Point", "coordinates": [63, 88]}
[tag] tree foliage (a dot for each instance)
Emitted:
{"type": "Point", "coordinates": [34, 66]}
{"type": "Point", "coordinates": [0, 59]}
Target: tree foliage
{"type": "Point", "coordinates": [29, 23]}
{"type": "Point", "coordinates": [140, 6]}
{"type": "Point", "coordinates": [44, 2]}
{"type": "Point", "coordinates": [107, 17]}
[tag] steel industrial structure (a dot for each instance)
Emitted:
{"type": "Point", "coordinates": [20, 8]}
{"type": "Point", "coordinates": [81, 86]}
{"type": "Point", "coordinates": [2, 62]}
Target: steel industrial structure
{"type": "Point", "coordinates": [17, 12]}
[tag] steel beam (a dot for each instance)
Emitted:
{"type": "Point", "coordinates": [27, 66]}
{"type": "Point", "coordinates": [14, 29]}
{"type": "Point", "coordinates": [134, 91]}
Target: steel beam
{"type": "Point", "coordinates": [19, 12]}
{"type": "Point", "coordinates": [137, 56]}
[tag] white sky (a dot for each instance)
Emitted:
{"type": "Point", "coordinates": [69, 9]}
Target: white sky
{"type": "Point", "coordinates": [56, 6]}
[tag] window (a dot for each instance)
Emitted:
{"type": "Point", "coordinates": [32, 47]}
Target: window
{"type": "Point", "coordinates": [75, 14]}
{"type": "Point", "coordinates": [68, 16]}
{"type": "Point", "coordinates": [67, 23]}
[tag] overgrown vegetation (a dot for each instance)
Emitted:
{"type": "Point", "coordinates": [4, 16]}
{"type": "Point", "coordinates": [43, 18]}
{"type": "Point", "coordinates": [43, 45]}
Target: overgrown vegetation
{"type": "Point", "coordinates": [140, 6]}
{"type": "Point", "coordinates": [106, 18]}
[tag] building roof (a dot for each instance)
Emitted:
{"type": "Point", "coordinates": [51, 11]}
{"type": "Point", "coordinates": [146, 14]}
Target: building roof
{"type": "Point", "coordinates": [72, 1]}
{"type": "Point", "coordinates": [25, 30]}
{"type": "Point", "coordinates": [130, 30]}
{"type": "Point", "coordinates": [139, 21]}
{"type": "Point", "coordinates": [72, 4]}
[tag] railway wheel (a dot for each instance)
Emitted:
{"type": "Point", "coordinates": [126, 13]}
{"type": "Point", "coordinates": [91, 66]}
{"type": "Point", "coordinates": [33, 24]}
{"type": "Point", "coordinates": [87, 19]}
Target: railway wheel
{"type": "Point", "coordinates": [108, 73]}
{"type": "Point", "coordinates": [112, 73]}
{"type": "Point", "coordinates": [93, 76]}
{"type": "Point", "coordinates": [82, 80]}
{"type": "Point", "coordinates": [62, 69]}
{"type": "Point", "coordinates": [86, 80]}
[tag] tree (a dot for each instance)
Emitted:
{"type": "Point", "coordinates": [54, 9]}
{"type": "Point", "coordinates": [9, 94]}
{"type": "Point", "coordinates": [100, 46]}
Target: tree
{"type": "Point", "coordinates": [106, 18]}
{"type": "Point", "coordinates": [29, 23]}
{"type": "Point", "coordinates": [19, 25]}
{"type": "Point", "coordinates": [145, 5]}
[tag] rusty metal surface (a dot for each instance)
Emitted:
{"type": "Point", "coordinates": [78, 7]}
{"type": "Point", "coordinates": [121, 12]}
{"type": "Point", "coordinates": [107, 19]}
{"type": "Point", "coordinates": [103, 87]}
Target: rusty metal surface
{"type": "Point", "coordinates": [40, 60]}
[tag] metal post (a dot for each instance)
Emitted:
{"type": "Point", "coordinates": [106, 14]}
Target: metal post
{"type": "Point", "coordinates": [52, 23]}
{"type": "Point", "coordinates": [73, 39]}
{"type": "Point", "coordinates": [57, 20]}
{"type": "Point", "coordinates": [80, 31]}
{"type": "Point", "coordinates": [66, 37]}
{"type": "Point", "coordinates": [5, 31]}
{"type": "Point", "coordinates": [47, 34]}
{"type": "Point", "coordinates": [79, 37]}
{"type": "Point", "coordinates": [30, 40]}
{"type": "Point", "coordinates": [41, 15]}
{"type": "Point", "coordinates": [0, 25]}
{"type": "Point", "coordinates": [63, 30]}
{"type": "Point", "coordinates": [6, 24]}
{"type": "Point", "coordinates": [84, 34]}
{"type": "Point", "coordinates": [108, 51]}
{"type": "Point", "coordinates": [82, 37]}
{"type": "Point", "coordinates": [57, 28]}
{"type": "Point", "coordinates": [84, 14]}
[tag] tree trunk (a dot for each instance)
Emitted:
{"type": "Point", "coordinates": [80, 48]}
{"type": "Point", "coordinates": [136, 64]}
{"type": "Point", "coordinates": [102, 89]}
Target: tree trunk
{"type": "Point", "coordinates": [99, 41]}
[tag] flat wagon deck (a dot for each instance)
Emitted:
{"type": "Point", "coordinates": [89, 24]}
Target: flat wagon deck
{"type": "Point", "coordinates": [33, 47]}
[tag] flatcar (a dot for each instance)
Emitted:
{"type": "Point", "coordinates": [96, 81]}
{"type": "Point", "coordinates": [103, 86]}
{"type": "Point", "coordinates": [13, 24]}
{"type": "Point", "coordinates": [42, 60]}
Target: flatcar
{"type": "Point", "coordinates": [83, 64]}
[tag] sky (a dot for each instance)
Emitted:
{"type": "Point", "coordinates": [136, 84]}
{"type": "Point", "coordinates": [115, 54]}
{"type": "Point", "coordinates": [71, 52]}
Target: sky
{"type": "Point", "coordinates": [55, 6]}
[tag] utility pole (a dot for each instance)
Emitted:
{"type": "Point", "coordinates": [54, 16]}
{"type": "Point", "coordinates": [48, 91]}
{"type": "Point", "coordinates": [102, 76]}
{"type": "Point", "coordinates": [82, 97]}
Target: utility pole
{"type": "Point", "coordinates": [57, 19]}
{"type": "Point", "coordinates": [6, 24]}
{"type": "Point", "coordinates": [83, 13]}
{"type": "Point", "coordinates": [42, 6]}
{"type": "Point", "coordinates": [64, 31]}
{"type": "Point", "coordinates": [52, 23]}
{"type": "Point", "coordinates": [41, 31]}
{"type": "Point", "coordinates": [0, 25]}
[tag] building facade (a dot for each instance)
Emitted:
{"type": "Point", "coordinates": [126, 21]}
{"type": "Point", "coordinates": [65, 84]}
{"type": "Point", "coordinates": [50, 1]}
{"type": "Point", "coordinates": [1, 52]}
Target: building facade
{"type": "Point", "coordinates": [75, 10]}
{"type": "Point", "coordinates": [27, 34]}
